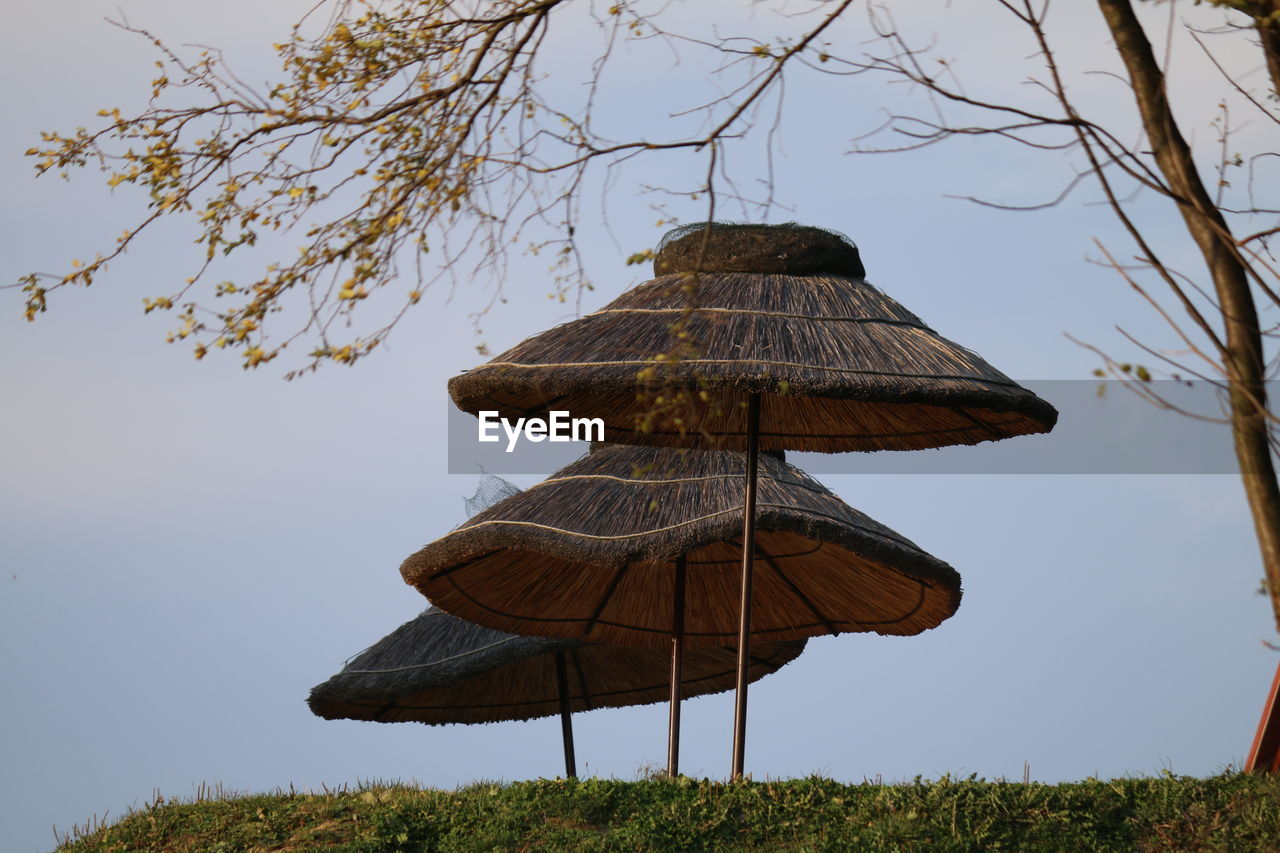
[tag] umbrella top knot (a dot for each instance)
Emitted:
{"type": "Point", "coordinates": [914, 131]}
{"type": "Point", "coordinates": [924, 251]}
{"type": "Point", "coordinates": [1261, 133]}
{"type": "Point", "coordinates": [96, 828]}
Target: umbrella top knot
{"type": "Point", "coordinates": [787, 249]}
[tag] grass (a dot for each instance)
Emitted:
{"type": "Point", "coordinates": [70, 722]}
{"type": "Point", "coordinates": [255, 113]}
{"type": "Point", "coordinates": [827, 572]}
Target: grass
{"type": "Point", "coordinates": [1230, 812]}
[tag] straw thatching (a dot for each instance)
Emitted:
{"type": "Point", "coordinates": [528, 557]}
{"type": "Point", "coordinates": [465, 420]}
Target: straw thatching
{"type": "Point", "coordinates": [789, 250]}
{"type": "Point", "coordinates": [840, 365]}
{"type": "Point", "coordinates": [589, 552]}
{"type": "Point", "coordinates": [440, 669]}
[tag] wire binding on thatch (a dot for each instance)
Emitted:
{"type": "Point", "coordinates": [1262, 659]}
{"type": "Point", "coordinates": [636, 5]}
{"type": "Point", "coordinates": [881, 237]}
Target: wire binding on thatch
{"type": "Point", "coordinates": [840, 365]}
{"type": "Point", "coordinates": [490, 490]}
{"type": "Point", "coordinates": [440, 669]}
{"type": "Point", "coordinates": [589, 554]}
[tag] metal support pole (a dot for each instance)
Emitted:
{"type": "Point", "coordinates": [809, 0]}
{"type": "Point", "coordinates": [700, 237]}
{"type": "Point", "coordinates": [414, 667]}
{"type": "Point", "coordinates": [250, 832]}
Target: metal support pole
{"type": "Point", "coordinates": [566, 717]}
{"type": "Point", "coordinates": [1264, 755]}
{"type": "Point", "coordinates": [677, 671]}
{"type": "Point", "coordinates": [748, 557]}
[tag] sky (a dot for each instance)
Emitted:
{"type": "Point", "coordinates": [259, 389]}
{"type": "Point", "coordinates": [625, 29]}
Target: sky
{"type": "Point", "coordinates": [187, 548]}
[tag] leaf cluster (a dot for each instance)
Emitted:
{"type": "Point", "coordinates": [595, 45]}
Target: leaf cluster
{"type": "Point", "coordinates": [404, 128]}
{"type": "Point", "coordinates": [386, 127]}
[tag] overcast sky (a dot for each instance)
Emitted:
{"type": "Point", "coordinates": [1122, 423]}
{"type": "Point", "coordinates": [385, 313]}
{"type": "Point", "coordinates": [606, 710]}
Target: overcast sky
{"type": "Point", "coordinates": [188, 548]}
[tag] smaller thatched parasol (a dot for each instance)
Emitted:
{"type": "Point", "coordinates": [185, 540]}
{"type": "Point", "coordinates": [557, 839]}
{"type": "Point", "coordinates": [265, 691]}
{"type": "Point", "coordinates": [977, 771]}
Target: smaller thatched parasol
{"type": "Point", "coordinates": [439, 669]}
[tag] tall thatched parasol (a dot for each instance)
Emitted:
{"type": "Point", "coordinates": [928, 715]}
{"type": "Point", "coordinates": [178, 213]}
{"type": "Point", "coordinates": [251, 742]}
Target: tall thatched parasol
{"type": "Point", "coordinates": [779, 311]}
{"type": "Point", "coordinates": [439, 669]}
{"type": "Point", "coordinates": [631, 545]}
{"type": "Point", "coordinates": [758, 336]}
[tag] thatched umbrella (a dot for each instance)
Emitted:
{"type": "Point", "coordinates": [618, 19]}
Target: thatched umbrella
{"type": "Point", "coordinates": [439, 669]}
{"type": "Point", "coordinates": [631, 545]}
{"type": "Point", "coordinates": [750, 337]}
{"type": "Point", "coordinates": [781, 312]}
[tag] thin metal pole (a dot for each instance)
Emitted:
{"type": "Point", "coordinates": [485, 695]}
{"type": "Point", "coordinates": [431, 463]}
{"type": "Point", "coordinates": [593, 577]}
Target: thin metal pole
{"type": "Point", "coordinates": [748, 558]}
{"type": "Point", "coordinates": [566, 718]}
{"type": "Point", "coordinates": [677, 672]}
{"type": "Point", "coordinates": [1264, 755]}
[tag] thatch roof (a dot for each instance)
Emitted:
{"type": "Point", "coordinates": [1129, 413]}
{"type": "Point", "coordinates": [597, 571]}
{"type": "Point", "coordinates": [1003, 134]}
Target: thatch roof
{"type": "Point", "coordinates": [589, 554]}
{"type": "Point", "coordinates": [440, 669]}
{"type": "Point", "coordinates": [786, 249]}
{"type": "Point", "coordinates": [779, 310]}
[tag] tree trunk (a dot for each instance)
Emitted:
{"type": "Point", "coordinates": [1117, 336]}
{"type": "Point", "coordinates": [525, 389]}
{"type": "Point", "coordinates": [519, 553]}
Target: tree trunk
{"type": "Point", "coordinates": [1268, 27]}
{"type": "Point", "coordinates": [1266, 20]}
{"type": "Point", "coordinates": [1243, 358]}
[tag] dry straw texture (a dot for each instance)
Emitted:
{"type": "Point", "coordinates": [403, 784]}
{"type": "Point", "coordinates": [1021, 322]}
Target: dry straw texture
{"type": "Point", "coordinates": [788, 249]}
{"type": "Point", "coordinates": [589, 553]}
{"type": "Point", "coordinates": [440, 669]}
{"type": "Point", "coordinates": [840, 365]}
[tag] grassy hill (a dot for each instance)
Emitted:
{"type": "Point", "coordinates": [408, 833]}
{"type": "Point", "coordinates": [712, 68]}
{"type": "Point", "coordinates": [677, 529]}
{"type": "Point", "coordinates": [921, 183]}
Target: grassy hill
{"type": "Point", "coordinates": [1230, 812]}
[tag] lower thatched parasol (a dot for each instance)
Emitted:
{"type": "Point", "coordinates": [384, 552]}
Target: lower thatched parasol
{"type": "Point", "coordinates": [439, 669]}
